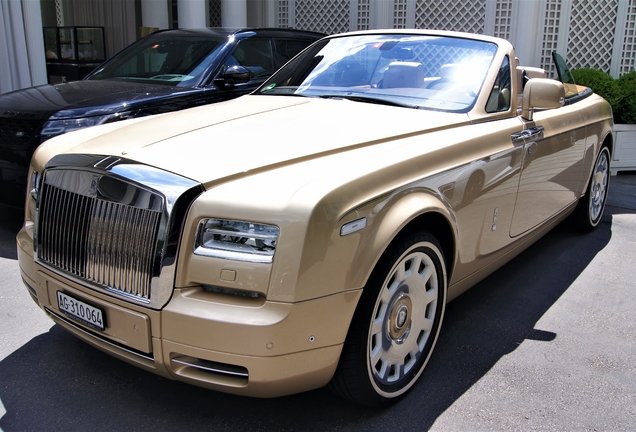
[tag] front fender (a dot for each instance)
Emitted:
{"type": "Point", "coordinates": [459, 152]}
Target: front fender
{"type": "Point", "coordinates": [404, 211]}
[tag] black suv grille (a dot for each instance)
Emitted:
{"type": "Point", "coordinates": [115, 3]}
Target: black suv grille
{"type": "Point", "coordinates": [17, 133]}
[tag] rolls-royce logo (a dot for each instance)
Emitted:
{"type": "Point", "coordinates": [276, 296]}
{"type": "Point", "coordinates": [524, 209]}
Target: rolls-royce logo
{"type": "Point", "coordinates": [94, 182]}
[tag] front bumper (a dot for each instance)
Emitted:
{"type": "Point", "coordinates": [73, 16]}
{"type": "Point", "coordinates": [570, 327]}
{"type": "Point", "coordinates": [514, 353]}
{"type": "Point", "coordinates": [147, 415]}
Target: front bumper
{"type": "Point", "coordinates": [250, 347]}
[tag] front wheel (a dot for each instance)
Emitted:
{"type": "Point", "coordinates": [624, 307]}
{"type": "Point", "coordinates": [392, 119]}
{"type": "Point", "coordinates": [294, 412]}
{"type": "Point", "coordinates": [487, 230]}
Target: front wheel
{"type": "Point", "coordinates": [396, 324]}
{"type": "Point", "coordinates": [589, 210]}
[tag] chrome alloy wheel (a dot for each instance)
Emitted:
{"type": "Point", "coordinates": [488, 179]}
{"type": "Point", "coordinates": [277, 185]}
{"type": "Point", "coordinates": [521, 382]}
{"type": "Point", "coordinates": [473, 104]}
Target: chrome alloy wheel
{"type": "Point", "coordinates": [598, 188]}
{"type": "Point", "coordinates": [403, 319]}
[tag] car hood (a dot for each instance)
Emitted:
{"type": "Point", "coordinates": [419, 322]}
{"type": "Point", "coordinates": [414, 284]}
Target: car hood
{"type": "Point", "coordinates": [214, 143]}
{"type": "Point", "coordinates": [84, 98]}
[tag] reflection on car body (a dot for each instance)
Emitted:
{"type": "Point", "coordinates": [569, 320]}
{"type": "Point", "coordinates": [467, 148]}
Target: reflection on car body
{"type": "Point", "coordinates": [379, 175]}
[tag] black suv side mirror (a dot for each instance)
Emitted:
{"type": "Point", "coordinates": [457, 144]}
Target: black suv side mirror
{"type": "Point", "coordinates": [235, 75]}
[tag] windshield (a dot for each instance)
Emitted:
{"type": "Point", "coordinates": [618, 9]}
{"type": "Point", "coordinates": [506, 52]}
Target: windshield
{"type": "Point", "coordinates": [164, 58]}
{"type": "Point", "coordinates": [419, 71]}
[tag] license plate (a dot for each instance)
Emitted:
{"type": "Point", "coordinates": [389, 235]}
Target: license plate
{"type": "Point", "coordinates": [80, 311]}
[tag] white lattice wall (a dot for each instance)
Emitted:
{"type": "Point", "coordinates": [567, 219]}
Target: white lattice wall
{"type": "Point", "coordinates": [550, 33]}
{"type": "Point", "coordinates": [456, 15]}
{"type": "Point", "coordinates": [400, 14]}
{"type": "Point", "coordinates": [599, 33]}
{"type": "Point", "coordinates": [626, 61]}
{"type": "Point", "coordinates": [591, 35]}
{"type": "Point", "coordinates": [363, 16]}
{"type": "Point", "coordinates": [326, 16]}
{"type": "Point", "coordinates": [59, 13]}
{"type": "Point", "coordinates": [503, 19]}
{"type": "Point", "coordinates": [283, 13]}
{"type": "Point", "coordinates": [215, 13]}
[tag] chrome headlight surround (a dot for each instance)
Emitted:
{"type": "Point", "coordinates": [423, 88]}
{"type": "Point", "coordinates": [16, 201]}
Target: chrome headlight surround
{"type": "Point", "coordinates": [236, 240]}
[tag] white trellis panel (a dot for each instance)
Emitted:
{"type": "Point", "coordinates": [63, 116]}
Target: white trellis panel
{"type": "Point", "coordinates": [457, 15]}
{"type": "Point", "coordinates": [326, 16]}
{"type": "Point", "coordinates": [589, 33]}
{"type": "Point", "coordinates": [215, 13]}
{"type": "Point", "coordinates": [363, 15]}
{"type": "Point", "coordinates": [624, 50]}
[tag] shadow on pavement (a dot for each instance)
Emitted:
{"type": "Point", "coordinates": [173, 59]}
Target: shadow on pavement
{"type": "Point", "coordinates": [11, 220]}
{"type": "Point", "coordinates": [58, 382]}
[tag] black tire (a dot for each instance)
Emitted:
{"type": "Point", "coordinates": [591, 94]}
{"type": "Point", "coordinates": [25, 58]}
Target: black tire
{"type": "Point", "coordinates": [589, 210]}
{"type": "Point", "coordinates": [396, 323]}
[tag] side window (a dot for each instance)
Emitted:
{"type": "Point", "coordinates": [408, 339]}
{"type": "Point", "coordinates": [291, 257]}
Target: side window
{"type": "Point", "coordinates": [143, 65]}
{"type": "Point", "coordinates": [255, 55]}
{"type": "Point", "coordinates": [286, 49]}
{"type": "Point", "coordinates": [500, 95]}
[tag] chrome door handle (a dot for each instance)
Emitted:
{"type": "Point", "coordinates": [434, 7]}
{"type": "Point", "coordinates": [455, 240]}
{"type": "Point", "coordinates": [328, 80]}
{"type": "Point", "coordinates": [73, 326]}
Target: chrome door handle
{"type": "Point", "coordinates": [527, 133]}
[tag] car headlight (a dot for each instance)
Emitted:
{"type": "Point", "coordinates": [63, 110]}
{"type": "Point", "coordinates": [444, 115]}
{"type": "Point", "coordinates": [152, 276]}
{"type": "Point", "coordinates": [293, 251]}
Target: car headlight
{"type": "Point", "coordinates": [58, 127]}
{"type": "Point", "coordinates": [236, 240]}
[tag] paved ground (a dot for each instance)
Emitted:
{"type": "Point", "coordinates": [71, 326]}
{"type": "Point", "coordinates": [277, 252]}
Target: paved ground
{"type": "Point", "coordinates": [546, 343]}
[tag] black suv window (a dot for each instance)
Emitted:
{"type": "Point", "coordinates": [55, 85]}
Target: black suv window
{"type": "Point", "coordinates": [255, 55]}
{"type": "Point", "coordinates": [286, 49]}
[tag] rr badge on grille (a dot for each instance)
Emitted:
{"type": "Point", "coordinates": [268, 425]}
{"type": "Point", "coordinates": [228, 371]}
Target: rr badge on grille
{"type": "Point", "coordinates": [93, 189]}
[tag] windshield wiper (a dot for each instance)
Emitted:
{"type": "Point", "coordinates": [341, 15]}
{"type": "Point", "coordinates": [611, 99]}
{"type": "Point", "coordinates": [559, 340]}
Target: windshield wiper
{"type": "Point", "coordinates": [373, 100]}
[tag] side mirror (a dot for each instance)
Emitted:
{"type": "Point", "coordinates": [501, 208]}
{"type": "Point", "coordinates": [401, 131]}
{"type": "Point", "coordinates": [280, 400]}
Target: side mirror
{"type": "Point", "coordinates": [236, 75]}
{"type": "Point", "coordinates": [541, 93]}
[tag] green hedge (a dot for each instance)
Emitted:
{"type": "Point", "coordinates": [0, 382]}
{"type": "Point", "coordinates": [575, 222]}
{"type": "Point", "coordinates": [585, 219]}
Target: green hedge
{"type": "Point", "coordinates": [620, 93]}
{"type": "Point", "coordinates": [627, 105]}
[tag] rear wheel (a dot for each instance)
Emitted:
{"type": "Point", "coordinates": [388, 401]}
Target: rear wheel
{"type": "Point", "coordinates": [589, 210]}
{"type": "Point", "coordinates": [396, 324]}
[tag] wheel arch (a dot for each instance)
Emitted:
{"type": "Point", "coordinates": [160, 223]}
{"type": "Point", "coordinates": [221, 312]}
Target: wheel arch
{"type": "Point", "coordinates": [609, 142]}
{"type": "Point", "coordinates": [416, 212]}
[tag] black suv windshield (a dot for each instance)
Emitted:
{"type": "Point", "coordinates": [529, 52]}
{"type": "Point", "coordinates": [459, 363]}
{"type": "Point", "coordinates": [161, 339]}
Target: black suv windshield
{"type": "Point", "coordinates": [176, 60]}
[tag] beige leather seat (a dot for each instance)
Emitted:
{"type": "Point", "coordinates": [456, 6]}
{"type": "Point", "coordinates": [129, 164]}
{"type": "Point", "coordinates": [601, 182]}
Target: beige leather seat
{"type": "Point", "coordinates": [404, 74]}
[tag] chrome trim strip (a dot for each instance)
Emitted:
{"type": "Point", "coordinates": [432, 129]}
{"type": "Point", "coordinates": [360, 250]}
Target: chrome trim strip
{"type": "Point", "coordinates": [30, 289]}
{"type": "Point", "coordinates": [234, 255]}
{"type": "Point", "coordinates": [210, 366]}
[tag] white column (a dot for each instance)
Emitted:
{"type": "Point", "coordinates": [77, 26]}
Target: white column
{"type": "Point", "coordinates": [31, 11]}
{"type": "Point", "coordinates": [192, 13]}
{"type": "Point", "coordinates": [619, 35]}
{"type": "Point", "coordinates": [526, 31]}
{"type": "Point", "coordinates": [271, 13]}
{"type": "Point", "coordinates": [14, 62]}
{"type": "Point", "coordinates": [154, 13]}
{"type": "Point", "coordinates": [234, 13]}
{"type": "Point", "coordinates": [381, 14]}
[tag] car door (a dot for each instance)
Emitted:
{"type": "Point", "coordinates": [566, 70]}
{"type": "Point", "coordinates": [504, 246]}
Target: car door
{"type": "Point", "coordinates": [554, 146]}
{"type": "Point", "coordinates": [553, 151]}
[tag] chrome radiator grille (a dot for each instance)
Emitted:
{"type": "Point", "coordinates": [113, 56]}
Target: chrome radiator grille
{"type": "Point", "coordinates": [103, 242]}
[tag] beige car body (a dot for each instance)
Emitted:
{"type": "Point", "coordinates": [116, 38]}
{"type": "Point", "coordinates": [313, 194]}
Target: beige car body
{"type": "Point", "coordinates": [310, 167]}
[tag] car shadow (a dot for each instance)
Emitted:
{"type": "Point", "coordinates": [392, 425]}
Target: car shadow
{"type": "Point", "coordinates": [56, 381]}
{"type": "Point", "coordinates": [11, 220]}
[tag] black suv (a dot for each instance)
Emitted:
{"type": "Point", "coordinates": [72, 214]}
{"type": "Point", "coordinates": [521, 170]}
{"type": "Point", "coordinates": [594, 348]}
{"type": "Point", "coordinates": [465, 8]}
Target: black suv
{"type": "Point", "coordinates": [166, 71]}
